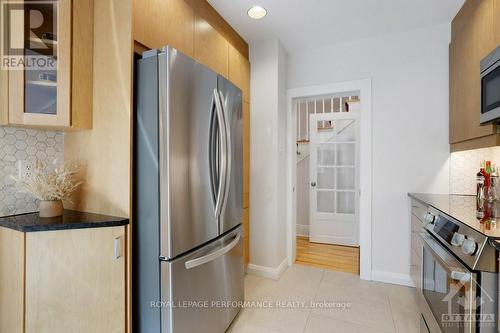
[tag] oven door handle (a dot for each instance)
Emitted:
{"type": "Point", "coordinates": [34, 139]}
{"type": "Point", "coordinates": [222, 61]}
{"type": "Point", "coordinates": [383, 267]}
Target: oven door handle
{"type": "Point", "coordinates": [460, 276]}
{"type": "Point", "coordinates": [456, 270]}
{"type": "Point", "coordinates": [495, 243]}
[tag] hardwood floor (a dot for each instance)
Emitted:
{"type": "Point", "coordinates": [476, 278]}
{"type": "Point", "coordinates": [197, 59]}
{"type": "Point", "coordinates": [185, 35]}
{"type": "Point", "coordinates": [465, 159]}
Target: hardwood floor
{"type": "Point", "coordinates": [335, 257]}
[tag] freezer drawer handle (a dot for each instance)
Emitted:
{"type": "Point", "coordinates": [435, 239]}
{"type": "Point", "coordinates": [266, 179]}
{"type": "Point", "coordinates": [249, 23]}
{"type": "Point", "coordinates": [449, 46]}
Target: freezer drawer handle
{"type": "Point", "coordinates": [213, 255]}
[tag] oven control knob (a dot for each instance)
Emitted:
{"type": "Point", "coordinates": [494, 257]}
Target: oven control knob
{"type": "Point", "coordinates": [457, 239]}
{"type": "Point", "coordinates": [429, 218]}
{"type": "Point", "coordinates": [469, 246]}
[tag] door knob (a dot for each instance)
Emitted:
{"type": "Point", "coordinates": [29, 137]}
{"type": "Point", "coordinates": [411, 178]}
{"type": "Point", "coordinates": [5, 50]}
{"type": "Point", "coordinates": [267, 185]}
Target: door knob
{"type": "Point", "coordinates": [313, 184]}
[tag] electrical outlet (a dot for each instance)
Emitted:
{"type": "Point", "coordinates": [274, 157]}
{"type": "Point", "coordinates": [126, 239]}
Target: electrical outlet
{"type": "Point", "coordinates": [24, 169]}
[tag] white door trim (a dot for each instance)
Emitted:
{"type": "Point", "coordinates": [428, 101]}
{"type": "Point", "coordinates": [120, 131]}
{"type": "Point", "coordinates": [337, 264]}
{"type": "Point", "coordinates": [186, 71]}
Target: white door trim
{"type": "Point", "coordinates": [364, 87]}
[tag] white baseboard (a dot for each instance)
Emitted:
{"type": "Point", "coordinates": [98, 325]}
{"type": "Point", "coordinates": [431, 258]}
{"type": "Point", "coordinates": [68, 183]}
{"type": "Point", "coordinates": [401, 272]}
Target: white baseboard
{"type": "Point", "coordinates": [394, 278]}
{"type": "Point", "coordinates": [303, 230]}
{"type": "Point", "coordinates": [267, 272]}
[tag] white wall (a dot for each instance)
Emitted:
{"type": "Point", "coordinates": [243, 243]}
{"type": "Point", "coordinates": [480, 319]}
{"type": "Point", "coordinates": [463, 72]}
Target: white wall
{"type": "Point", "coordinates": [267, 155]}
{"type": "Point", "coordinates": [409, 74]}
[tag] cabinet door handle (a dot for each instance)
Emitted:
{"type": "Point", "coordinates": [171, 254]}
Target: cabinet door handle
{"type": "Point", "coordinates": [118, 247]}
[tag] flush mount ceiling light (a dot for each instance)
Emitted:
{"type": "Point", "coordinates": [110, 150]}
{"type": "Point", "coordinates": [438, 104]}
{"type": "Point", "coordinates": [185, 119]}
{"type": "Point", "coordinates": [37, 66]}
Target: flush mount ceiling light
{"type": "Point", "coordinates": [257, 12]}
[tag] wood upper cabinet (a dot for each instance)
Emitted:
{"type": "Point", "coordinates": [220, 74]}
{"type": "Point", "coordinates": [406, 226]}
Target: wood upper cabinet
{"type": "Point", "coordinates": [164, 22]}
{"type": "Point", "coordinates": [210, 47]}
{"type": "Point", "coordinates": [472, 39]}
{"type": "Point", "coordinates": [457, 107]}
{"type": "Point", "coordinates": [63, 281]}
{"type": "Point", "coordinates": [57, 92]}
{"type": "Point", "coordinates": [4, 97]}
{"type": "Point", "coordinates": [239, 72]}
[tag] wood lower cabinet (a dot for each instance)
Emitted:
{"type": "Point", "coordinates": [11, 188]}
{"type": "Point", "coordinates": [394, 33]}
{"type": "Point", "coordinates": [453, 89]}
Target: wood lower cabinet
{"type": "Point", "coordinates": [473, 38]}
{"type": "Point", "coordinates": [11, 281]}
{"type": "Point", "coordinates": [64, 281]}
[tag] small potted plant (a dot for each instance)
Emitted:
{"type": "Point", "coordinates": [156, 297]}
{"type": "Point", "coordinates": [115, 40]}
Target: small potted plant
{"type": "Point", "coordinates": [50, 186]}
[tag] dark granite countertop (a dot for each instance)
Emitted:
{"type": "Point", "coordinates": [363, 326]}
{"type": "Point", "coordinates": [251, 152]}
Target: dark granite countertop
{"type": "Point", "coordinates": [71, 219]}
{"type": "Point", "coordinates": [463, 209]}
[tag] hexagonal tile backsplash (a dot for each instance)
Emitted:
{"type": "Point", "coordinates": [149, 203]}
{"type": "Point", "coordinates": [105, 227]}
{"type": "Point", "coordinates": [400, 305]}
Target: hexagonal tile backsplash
{"type": "Point", "coordinates": [18, 144]}
{"type": "Point", "coordinates": [464, 166]}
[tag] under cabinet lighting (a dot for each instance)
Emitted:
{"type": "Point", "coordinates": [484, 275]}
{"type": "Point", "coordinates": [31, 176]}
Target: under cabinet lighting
{"type": "Point", "coordinates": [257, 12]}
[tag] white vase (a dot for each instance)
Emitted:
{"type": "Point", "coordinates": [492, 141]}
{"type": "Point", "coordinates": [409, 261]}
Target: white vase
{"type": "Point", "coordinates": [50, 208]}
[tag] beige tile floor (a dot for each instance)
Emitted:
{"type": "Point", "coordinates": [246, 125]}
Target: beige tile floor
{"type": "Point", "coordinates": [373, 306]}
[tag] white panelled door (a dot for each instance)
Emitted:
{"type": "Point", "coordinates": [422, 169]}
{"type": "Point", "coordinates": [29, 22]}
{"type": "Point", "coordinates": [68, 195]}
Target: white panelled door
{"type": "Point", "coordinates": [334, 178]}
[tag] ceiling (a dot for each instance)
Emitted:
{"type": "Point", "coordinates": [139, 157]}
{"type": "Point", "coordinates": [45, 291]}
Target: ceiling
{"type": "Point", "coordinates": [313, 23]}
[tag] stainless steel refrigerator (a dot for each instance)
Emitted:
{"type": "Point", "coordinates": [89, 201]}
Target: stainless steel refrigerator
{"type": "Point", "coordinates": [188, 196]}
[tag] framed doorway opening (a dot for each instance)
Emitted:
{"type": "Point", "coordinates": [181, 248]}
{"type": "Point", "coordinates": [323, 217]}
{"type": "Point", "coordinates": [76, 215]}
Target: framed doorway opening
{"type": "Point", "coordinates": [362, 89]}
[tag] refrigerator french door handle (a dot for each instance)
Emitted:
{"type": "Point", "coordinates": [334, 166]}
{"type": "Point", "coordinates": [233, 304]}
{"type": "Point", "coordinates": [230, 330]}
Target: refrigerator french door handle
{"type": "Point", "coordinates": [227, 175]}
{"type": "Point", "coordinates": [213, 150]}
{"type": "Point", "coordinates": [213, 255]}
{"type": "Point", "coordinates": [219, 201]}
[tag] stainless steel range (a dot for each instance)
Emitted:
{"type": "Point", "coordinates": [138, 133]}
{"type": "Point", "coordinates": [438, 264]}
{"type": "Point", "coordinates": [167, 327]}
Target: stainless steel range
{"type": "Point", "coordinates": [459, 277]}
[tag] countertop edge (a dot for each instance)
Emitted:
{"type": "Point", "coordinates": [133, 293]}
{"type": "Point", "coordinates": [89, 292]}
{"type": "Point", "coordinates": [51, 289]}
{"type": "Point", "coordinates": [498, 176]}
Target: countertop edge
{"type": "Point", "coordinates": [415, 196]}
{"type": "Point", "coordinates": [113, 221]}
{"type": "Point", "coordinates": [421, 197]}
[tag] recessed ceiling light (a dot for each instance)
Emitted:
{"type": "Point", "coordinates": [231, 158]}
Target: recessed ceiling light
{"type": "Point", "coordinates": [257, 12]}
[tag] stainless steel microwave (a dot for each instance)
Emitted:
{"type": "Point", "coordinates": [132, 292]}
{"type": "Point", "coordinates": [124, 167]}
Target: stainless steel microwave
{"type": "Point", "coordinates": [490, 87]}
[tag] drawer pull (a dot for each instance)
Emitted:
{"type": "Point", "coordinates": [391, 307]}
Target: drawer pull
{"type": "Point", "coordinates": [118, 247]}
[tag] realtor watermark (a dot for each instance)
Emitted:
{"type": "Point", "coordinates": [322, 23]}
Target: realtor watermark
{"type": "Point", "coordinates": [252, 304]}
{"type": "Point", "coordinates": [28, 35]}
{"type": "Point", "coordinates": [469, 305]}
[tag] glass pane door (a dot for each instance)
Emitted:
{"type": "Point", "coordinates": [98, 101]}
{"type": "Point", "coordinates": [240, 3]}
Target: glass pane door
{"type": "Point", "coordinates": [334, 178]}
{"type": "Point", "coordinates": [40, 44]}
{"type": "Point", "coordinates": [336, 168]}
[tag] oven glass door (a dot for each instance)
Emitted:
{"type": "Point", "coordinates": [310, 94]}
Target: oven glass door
{"type": "Point", "coordinates": [490, 90]}
{"type": "Point", "coordinates": [448, 289]}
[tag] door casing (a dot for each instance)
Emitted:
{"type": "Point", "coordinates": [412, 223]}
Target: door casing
{"type": "Point", "coordinates": [364, 90]}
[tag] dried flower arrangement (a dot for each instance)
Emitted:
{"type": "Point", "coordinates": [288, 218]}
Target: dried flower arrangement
{"type": "Point", "coordinates": [50, 185]}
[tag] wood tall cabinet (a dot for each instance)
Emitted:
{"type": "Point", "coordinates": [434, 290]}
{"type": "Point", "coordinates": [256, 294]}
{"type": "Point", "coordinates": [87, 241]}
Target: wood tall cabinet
{"type": "Point", "coordinates": [496, 22]}
{"type": "Point", "coordinates": [63, 281]}
{"type": "Point", "coordinates": [210, 47]}
{"type": "Point", "coordinates": [164, 22]}
{"type": "Point", "coordinates": [195, 28]}
{"type": "Point", "coordinates": [474, 35]}
{"type": "Point", "coordinates": [58, 96]}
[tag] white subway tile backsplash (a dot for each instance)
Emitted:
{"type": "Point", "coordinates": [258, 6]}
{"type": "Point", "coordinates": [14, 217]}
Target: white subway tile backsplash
{"type": "Point", "coordinates": [24, 144]}
{"type": "Point", "coordinates": [464, 166]}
